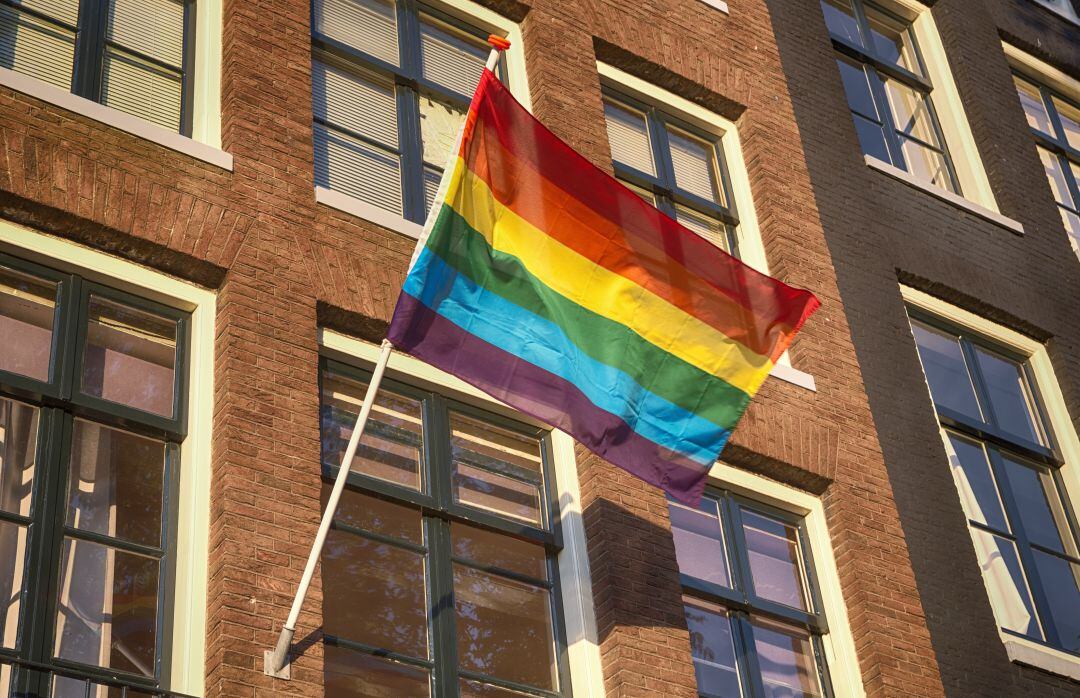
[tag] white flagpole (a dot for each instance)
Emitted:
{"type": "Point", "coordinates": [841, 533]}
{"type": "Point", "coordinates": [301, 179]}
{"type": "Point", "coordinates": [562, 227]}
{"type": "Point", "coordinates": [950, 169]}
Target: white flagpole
{"type": "Point", "coordinates": [275, 662]}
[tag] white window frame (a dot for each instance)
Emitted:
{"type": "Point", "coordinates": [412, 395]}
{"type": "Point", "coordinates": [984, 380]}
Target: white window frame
{"type": "Point", "coordinates": [1021, 650]}
{"type": "Point", "coordinates": [188, 625]}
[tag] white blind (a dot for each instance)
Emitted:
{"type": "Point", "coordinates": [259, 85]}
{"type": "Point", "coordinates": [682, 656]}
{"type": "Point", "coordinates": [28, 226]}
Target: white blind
{"type": "Point", "coordinates": [140, 89]}
{"type": "Point", "coordinates": [357, 169]}
{"type": "Point", "coordinates": [712, 230]}
{"type": "Point", "coordinates": [33, 47]}
{"type": "Point", "coordinates": [367, 25]}
{"type": "Point", "coordinates": [451, 59]}
{"type": "Point", "coordinates": [66, 11]}
{"type": "Point", "coordinates": [154, 28]}
{"type": "Point", "coordinates": [628, 136]}
{"type": "Point", "coordinates": [360, 101]}
{"type": "Point", "coordinates": [431, 186]}
{"type": "Point", "coordinates": [694, 164]}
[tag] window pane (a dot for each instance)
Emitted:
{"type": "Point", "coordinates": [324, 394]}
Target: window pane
{"type": "Point", "coordinates": [18, 452]}
{"type": "Point", "coordinates": [12, 571]}
{"type": "Point", "coordinates": [496, 469]}
{"type": "Point", "coordinates": [368, 25]}
{"type": "Point", "coordinates": [108, 607]}
{"type": "Point", "coordinates": [352, 167]}
{"type": "Point", "coordinates": [130, 357]}
{"type": "Point", "coordinates": [628, 137]}
{"type": "Point", "coordinates": [646, 195]}
{"type": "Point", "coordinates": [1072, 226]}
{"type": "Point", "coordinates": [377, 515]}
{"type": "Point", "coordinates": [713, 649]}
{"type": "Point", "coordinates": [694, 162]}
{"type": "Point", "coordinates": [152, 27]}
{"type": "Point", "coordinates": [1070, 121]}
{"type": "Point", "coordinates": [857, 87]}
{"type": "Point", "coordinates": [497, 494]}
{"type": "Point", "coordinates": [375, 593]}
{"type": "Point", "coordinates": [34, 47]}
{"type": "Point", "coordinates": [975, 481]}
{"type": "Point", "coordinates": [499, 550]}
{"type": "Point", "coordinates": [872, 138]}
{"type": "Point", "coordinates": [711, 229]}
{"type": "Point", "coordinates": [27, 310]}
{"type": "Point", "coordinates": [475, 689]}
{"type": "Point", "coordinates": [393, 443]}
{"type": "Point", "coordinates": [349, 674]}
{"type": "Point", "coordinates": [911, 110]}
{"type": "Point", "coordinates": [1009, 396]}
{"type": "Point", "coordinates": [786, 657]}
{"type": "Point", "coordinates": [1005, 583]}
{"type": "Point", "coordinates": [945, 370]}
{"type": "Point", "coordinates": [1061, 584]}
{"type": "Point", "coordinates": [66, 11]}
{"type": "Point", "coordinates": [926, 163]}
{"type": "Point", "coordinates": [504, 628]}
{"type": "Point", "coordinates": [1040, 506]}
{"type": "Point", "coordinates": [358, 101]}
{"type": "Point", "coordinates": [1034, 108]}
{"type": "Point", "coordinates": [432, 177]}
{"type": "Point", "coordinates": [1056, 176]}
{"type": "Point", "coordinates": [451, 58]}
{"type": "Point", "coordinates": [840, 19]}
{"type": "Point", "coordinates": [439, 126]}
{"type": "Point", "coordinates": [891, 40]}
{"type": "Point", "coordinates": [775, 559]}
{"type": "Point", "coordinates": [699, 541]}
{"type": "Point", "coordinates": [139, 88]}
{"type": "Point", "coordinates": [116, 483]}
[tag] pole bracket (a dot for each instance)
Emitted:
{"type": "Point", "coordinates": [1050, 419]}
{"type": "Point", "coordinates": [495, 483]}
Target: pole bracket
{"type": "Point", "coordinates": [284, 673]}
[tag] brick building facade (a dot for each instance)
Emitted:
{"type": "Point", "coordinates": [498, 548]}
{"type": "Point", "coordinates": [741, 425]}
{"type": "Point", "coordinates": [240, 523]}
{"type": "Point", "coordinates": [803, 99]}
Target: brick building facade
{"type": "Point", "coordinates": [277, 271]}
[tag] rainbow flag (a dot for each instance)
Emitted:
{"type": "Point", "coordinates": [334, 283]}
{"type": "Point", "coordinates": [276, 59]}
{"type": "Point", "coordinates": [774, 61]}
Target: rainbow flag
{"type": "Point", "coordinates": [549, 285]}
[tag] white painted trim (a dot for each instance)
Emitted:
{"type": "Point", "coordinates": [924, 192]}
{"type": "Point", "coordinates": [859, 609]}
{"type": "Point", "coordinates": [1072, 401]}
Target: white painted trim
{"type": "Point", "coordinates": [115, 118]}
{"type": "Point", "coordinates": [1041, 71]}
{"type": "Point", "coordinates": [369, 212]}
{"type": "Point", "coordinates": [839, 643]}
{"type": "Point", "coordinates": [583, 650]}
{"type": "Point", "coordinates": [786, 372]}
{"type": "Point", "coordinates": [717, 4]}
{"type": "Point", "coordinates": [206, 121]}
{"type": "Point", "coordinates": [1022, 651]}
{"type": "Point", "coordinates": [189, 619]}
{"type": "Point", "coordinates": [945, 195]}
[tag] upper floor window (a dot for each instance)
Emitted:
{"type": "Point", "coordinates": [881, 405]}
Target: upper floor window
{"type": "Point", "coordinates": [391, 83]}
{"type": "Point", "coordinates": [92, 405]}
{"type": "Point", "coordinates": [440, 573]}
{"type": "Point", "coordinates": [1064, 8]}
{"type": "Point", "coordinates": [751, 601]}
{"type": "Point", "coordinates": [133, 55]}
{"type": "Point", "coordinates": [1008, 473]}
{"type": "Point", "coordinates": [888, 90]}
{"type": "Point", "coordinates": [672, 165]}
{"type": "Point", "coordinates": [1055, 123]}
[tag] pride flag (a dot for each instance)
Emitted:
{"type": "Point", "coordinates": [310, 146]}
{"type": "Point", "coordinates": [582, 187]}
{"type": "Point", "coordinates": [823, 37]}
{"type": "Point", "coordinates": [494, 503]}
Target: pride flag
{"type": "Point", "coordinates": [552, 287]}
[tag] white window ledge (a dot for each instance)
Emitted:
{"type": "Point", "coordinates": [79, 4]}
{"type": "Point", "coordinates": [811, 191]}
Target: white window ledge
{"type": "Point", "coordinates": [718, 4]}
{"type": "Point", "coordinates": [1032, 654]}
{"type": "Point", "coordinates": [946, 196]}
{"type": "Point", "coordinates": [369, 212]}
{"type": "Point", "coordinates": [115, 118]}
{"type": "Point", "coordinates": [786, 372]}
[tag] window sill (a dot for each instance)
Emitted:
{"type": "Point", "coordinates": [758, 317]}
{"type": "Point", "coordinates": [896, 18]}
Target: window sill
{"type": "Point", "coordinates": [115, 118]}
{"type": "Point", "coordinates": [369, 212]}
{"type": "Point", "coordinates": [946, 196]}
{"type": "Point", "coordinates": [1032, 654]}
{"type": "Point", "coordinates": [718, 4]}
{"type": "Point", "coordinates": [790, 374]}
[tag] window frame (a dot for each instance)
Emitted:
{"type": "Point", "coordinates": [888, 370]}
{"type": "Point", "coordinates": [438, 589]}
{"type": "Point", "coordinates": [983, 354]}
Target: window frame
{"type": "Point", "coordinates": [434, 503]}
{"type": "Point", "coordinates": [60, 403]}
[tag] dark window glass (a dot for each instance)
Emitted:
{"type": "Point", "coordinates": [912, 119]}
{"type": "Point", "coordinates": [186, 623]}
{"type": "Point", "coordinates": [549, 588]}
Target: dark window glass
{"type": "Point", "coordinates": [27, 317]}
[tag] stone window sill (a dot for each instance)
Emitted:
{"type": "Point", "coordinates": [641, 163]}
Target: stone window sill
{"type": "Point", "coordinates": [718, 4]}
{"type": "Point", "coordinates": [1032, 654]}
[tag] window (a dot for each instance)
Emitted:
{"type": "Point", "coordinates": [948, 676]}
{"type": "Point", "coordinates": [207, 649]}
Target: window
{"type": "Point", "coordinates": [751, 603]}
{"type": "Point", "coordinates": [391, 83]}
{"type": "Point", "coordinates": [672, 165]}
{"type": "Point", "coordinates": [132, 55]}
{"type": "Point", "coordinates": [1008, 472]}
{"type": "Point", "coordinates": [1062, 7]}
{"type": "Point", "coordinates": [92, 405]}
{"type": "Point", "coordinates": [439, 573]}
{"type": "Point", "coordinates": [1055, 123]}
{"type": "Point", "coordinates": [888, 90]}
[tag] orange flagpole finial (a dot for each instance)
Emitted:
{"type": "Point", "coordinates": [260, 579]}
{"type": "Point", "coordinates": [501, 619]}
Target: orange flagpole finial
{"type": "Point", "coordinates": [498, 43]}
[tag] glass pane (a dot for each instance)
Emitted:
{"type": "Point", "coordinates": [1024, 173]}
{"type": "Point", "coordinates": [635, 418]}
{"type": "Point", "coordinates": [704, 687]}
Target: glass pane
{"type": "Point", "coordinates": [27, 309]}
{"type": "Point", "coordinates": [857, 87]}
{"type": "Point", "coordinates": [628, 137]}
{"type": "Point", "coordinates": [475, 689]}
{"type": "Point", "coordinates": [497, 494]}
{"type": "Point", "coordinates": [911, 111]}
{"type": "Point", "coordinates": [368, 25]}
{"type": "Point", "coordinates": [439, 126]}
{"type": "Point", "coordinates": [12, 571]}
{"type": "Point", "coordinates": [375, 593]}
{"type": "Point", "coordinates": [713, 649]}
{"type": "Point", "coordinates": [504, 628]}
{"type": "Point", "coordinates": [694, 162]}
{"type": "Point", "coordinates": [377, 515]}
{"type": "Point", "coordinates": [141, 89]}
{"type": "Point", "coordinates": [35, 47]}
{"type": "Point", "coordinates": [775, 559]}
{"type": "Point", "coordinates": [1061, 584]}
{"type": "Point", "coordinates": [496, 469]}
{"type": "Point", "coordinates": [926, 163]}
{"type": "Point", "coordinates": [108, 607]}
{"type": "Point", "coordinates": [786, 656]}
{"type": "Point", "coordinates": [451, 58]}
{"type": "Point", "coordinates": [18, 453]}
{"type": "Point", "coordinates": [349, 674]}
{"type": "Point", "coordinates": [891, 40]}
{"type": "Point", "coordinates": [355, 100]}
{"type": "Point", "coordinates": [840, 19]}
{"type": "Point", "coordinates": [152, 27]}
{"type": "Point", "coordinates": [1005, 583]}
{"type": "Point", "coordinates": [1040, 506]}
{"type": "Point", "coordinates": [130, 357]}
{"type": "Point", "coordinates": [352, 167]}
{"type": "Point", "coordinates": [711, 229]}
{"type": "Point", "coordinates": [646, 195]}
{"type": "Point", "coordinates": [1072, 226]}
{"type": "Point", "coordinates": [432, 177]}
{"type": "Point", "coordinates": [1070, 121]}
{"type": "Point", "coordinates": [872, 138]}
{"type": "Point", "coordinates": [499, 550]}
{"type": "Point", "coordinates": [392, 448]}
{"type": "Point", "coordinates": [1034, 107]}
{"type": "Point", "coordinates": [699, 541]}
{"type": "Point", "coordinates": [1010, 398]}
{"type": "Point", "coordinates": [975, 481]}
{"type": "Point", "coordinates": [64, 687]}
{"type": "Point", "coordinates": [1056, 176]}
{"type": "Point", "coordinates": [945, 370]}
{"type": "Point", "coordinates": [116, 483]}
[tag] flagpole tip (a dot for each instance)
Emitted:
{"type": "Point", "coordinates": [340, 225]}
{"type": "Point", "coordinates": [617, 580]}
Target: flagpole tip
{"type": "Point", "coordinates": [498, 43]}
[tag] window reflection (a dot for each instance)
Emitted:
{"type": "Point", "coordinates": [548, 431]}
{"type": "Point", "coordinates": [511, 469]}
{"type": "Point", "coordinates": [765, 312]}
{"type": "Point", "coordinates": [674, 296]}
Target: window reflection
{"type": "Point", "coordinates": [699, 541]}
{"type": "Point", "coordinates": [713, 649]}
{"type": "Point", "coordinates": [945, 369]}
{"type": "Point", "coordinates": [27, 310]}
{"type": "Point", "coordinates": [786, 659]}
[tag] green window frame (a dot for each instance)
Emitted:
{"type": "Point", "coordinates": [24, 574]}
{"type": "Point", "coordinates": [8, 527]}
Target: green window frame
{"type": "Point", "coordinates": [888, 89]}
{"type": "Point", "coordinates": [371, 500]}
{"type": "Point", "coordinates": [739, 601]}
{"type": "Point", "coordinates": [57, 516]}
{"type": "Point", "coordinates": [78, 44]}
{"type": "Point", "coordinates": [1008, 471]}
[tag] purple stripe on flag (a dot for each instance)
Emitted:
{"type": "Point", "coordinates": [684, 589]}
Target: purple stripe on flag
{"type": "Point", "coordinates": [427, 335]}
